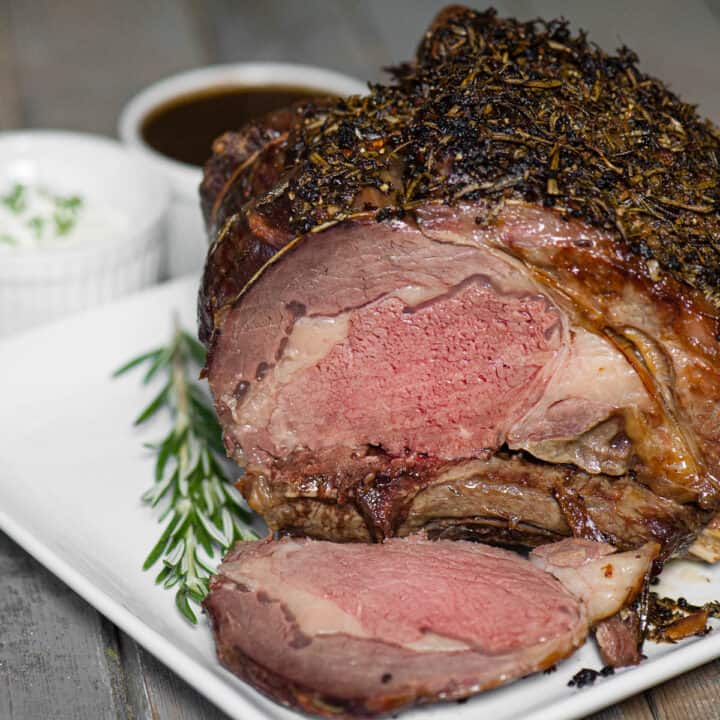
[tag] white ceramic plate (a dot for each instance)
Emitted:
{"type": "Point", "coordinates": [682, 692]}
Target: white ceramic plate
{"type": "Point", "coordinates": [72, 470]}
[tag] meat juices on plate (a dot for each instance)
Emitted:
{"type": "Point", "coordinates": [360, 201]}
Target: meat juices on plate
{"type": "Point", "coordinates": [480, 302]}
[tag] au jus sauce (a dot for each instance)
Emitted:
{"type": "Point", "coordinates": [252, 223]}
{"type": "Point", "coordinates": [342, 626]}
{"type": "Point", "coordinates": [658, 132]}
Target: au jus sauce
{"type": "Point", "coordinates": [184, 128]}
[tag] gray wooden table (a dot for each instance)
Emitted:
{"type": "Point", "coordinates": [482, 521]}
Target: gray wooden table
{"type": "Point", "coordinates": [72, 65]}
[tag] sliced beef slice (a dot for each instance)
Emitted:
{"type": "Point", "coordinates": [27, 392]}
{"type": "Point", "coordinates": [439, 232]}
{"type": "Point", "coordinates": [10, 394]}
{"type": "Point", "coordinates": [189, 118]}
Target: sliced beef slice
{"type": "Point", "coordinates": [338, 629]}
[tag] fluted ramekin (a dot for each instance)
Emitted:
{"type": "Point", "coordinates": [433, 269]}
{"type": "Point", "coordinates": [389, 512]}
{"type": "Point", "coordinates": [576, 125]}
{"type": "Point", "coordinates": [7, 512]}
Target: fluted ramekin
{"type": "Point", "coordinates": [38, 285]}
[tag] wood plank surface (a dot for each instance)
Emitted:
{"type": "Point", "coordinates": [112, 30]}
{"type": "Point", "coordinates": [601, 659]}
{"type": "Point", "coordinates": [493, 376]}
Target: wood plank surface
{"type": "Point", "coordinates": [636, 708]}
{"type": "Point", "coordinates": [693, 695]}
{"type": "Point", "coordinates": [10, 108]}
{"type": "Point", "coordinates": [58, 657]}
{"type": "Point", "coordinates": [678, 42]}
{"type": "Point", "coordinates": [73, 65]}
{"type": "Point", "coordinates": [154, 692]}
{"type": "Point", "coordinates": [315, 32]}
{"type": "Point", "coordinates": [78, 62]}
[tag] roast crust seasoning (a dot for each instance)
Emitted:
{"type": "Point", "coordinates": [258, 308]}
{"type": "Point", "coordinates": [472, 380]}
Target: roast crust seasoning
{"type": "Point", "coordinates": [505, 111]}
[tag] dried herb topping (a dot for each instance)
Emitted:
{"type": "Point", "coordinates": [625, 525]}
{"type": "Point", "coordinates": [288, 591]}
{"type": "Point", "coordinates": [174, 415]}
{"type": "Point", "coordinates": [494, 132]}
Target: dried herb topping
{"type": "Point", "coordinates": [588, 676]}
{"type": "Point", "coordinates": [500, 110]}
{"type": "Point", "coordinates": [671, 620]}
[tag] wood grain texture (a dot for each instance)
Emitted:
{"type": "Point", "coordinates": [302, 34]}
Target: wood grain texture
{"type": "Point", "coordinates": [678, 42]}
{"type": "Point", "coordinates": [10, 109]}
{"type": "Point", "coordinates": [714, 7]}
{"type": "Point", "coordinates": [73, 65]}
{"type": "Point", "coordinates": [636, 708]}
{"type": "Point", "coordinates": [315, 32]}
{"type": "Point", "coordinates": [154, 692]}
{"type": "Point", "coordinates": [78, 62]}
{"type": "Point", "coordinates": [693, 695]}
{"type": "Point", "coordinates": [58, 657]}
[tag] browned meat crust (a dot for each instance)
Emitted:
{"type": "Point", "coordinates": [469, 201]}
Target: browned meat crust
{"type": "Point", "coordinates": [503, 500]}
{"type": "Point", "coordinates": [497, 110]}
{"type": "Point", "coordinates": [234, 659]}
{"type": "Point", "coordinates": [619, 639]}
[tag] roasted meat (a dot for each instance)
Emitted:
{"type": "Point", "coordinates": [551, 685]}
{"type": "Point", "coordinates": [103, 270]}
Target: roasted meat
{"type": "Point", "coordinates": [481, 301]}
{"type": "Point", "coordinates": [360, 629]}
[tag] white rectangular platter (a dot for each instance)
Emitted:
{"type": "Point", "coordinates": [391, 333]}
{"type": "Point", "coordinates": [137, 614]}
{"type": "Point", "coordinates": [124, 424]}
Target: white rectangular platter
{"type": "Point", "coordinates": [72, 470]}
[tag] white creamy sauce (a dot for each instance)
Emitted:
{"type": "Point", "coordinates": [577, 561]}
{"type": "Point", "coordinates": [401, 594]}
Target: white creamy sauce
{"type": "Point", "coordinates": [35, 216]}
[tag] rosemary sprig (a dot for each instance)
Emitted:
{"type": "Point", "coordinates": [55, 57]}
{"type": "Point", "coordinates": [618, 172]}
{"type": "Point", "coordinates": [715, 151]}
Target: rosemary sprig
{"type": "Point", "coordinates": [202, 511]}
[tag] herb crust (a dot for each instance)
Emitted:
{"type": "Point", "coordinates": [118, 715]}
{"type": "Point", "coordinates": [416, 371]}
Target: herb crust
{"type": "Point", "coordinates": [502, 111]}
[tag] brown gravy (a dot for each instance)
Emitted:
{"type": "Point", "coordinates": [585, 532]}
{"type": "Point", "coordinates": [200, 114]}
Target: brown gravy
{"type": "Point", "coordinates": [184, 128]}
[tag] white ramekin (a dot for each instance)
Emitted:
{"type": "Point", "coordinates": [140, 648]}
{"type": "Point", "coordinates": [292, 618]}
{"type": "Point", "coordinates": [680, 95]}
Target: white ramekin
{"type": "Point", "coordinates": [40, 285]}
{"type": "Point", "coordinates": [186, 234]}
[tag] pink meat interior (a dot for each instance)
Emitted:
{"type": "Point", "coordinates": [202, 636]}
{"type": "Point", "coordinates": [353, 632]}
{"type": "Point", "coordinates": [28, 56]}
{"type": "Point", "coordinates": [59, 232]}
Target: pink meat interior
{"type": "Point", "coordinates": [448, 377]}
{"type": "Point", "coordinates": [491, 599]}
{"type": "Point", "coordinates": [378, 335]}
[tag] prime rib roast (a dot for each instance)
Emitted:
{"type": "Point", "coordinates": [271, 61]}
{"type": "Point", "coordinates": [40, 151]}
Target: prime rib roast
{"type": "Point", "coordinates": [479, 303]}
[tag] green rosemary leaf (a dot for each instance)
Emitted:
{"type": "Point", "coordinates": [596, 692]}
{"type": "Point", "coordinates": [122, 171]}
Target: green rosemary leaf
{"type": "Point", "coordinates": [205, 567]}
{"type": "Point", "coordinates": [178, 548]}
{"type": "Point", "coordinates": [204, 538]}
{"type": "Point", "coordinates": [209, 435]}
{"type": "Point", "coordinates": [157, 551]}
{"type": "Point", "coordinates": [205, 415]}
{"type": "Point", "coordinates": [215, 490]}
{"type": "Point", "coordinates": [161, 360]}
{"type": "Point", "coordinates": [205, 460]}
{"type": "Point", "coordinates": [163, 513]}
{"type": "Point", "coordinates": [208, 498]}
{"type": "Point", "coordinates": [154, 406]}
{"type": "Point", "coordinates": [163, 454]}
{"type": "Point", "coordinates": [212, 530]}
{"type": "Point", "coordinates": [179, 438]}
{"type": "Point", "coordinates": [196, 349]}
{"type": "Point", "coordinates": [227, 523]}
{"type": "Point", "coordinates": [158, 492]}
{"type": "Point", "coordinates": [139, 360]}
{"type": "Point", "coordinates": [198, 595]}
{"type": "Point", "coordinates": [173, 579]}
{"type": "Point", "coordinates": [234, 496]}
{"type": "Point", "coordinates": [237, 504]}
{"type": "Point", "coordinates": [244, 532]}
{"type": "Point", "coordinates": [162, 575]}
